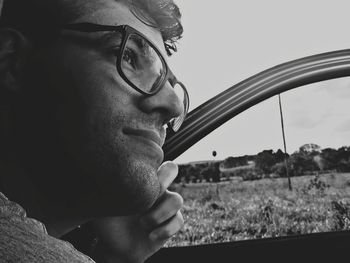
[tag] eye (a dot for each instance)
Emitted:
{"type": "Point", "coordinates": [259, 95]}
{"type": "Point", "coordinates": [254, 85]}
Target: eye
{"type": "Point", "coordinates": [130, 58]}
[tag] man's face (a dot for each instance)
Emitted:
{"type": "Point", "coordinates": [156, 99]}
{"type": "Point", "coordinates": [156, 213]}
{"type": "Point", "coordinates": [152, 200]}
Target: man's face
{"type": "Point", "coordinates": [110, 133]}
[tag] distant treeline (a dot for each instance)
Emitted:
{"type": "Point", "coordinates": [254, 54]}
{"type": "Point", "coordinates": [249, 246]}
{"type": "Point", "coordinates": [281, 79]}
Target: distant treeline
{"type": "Point", "coordinates": [309, 159]}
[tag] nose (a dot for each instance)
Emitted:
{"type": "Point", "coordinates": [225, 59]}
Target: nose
{"type": "Point", "coordinates": [165, 103]}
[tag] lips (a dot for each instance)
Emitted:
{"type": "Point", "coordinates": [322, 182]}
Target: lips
{"type": "Point", "coordinates": [150, 135]}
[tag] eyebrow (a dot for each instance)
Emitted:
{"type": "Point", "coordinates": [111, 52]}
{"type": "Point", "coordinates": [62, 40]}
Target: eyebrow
{"type": "Point", "coordinates": [100, 39]}
{"type": "Point", "coordinates": [109, 36]}
{"type": "Point", "coordinates": [146, 48]}
{"type": "Point", "coordinates": [141, 44]}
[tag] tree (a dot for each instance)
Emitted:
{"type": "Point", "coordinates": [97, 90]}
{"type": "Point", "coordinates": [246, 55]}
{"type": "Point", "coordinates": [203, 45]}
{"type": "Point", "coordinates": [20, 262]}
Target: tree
{"type": "Point", "coordinates": [187, 173]}
{"type": "Point", "coordinates": [231, 162]}
{"type": "Point", "coordinates": [280, 169]}
{"type": "Point", "coordinates": [279, 156]}
{"type": "Point", "coordinates": [310, 148]}
{"type": "Point", "coordinates": [265, 160]}
{"type": "Point", "coordinates": [344, 159]}
{"type": "Point", "coordinates": [215, 171]}
{"type": "Point", "coordinates": [206, 173]}
{"type": "Point", "coordinates": [330, 159]}
{"type": "Point", "coordinates": [344, 153]}
{"type": "Point", "coordinates": [181, 174]}
{"type": "Point", "coordinates": [302, 162]}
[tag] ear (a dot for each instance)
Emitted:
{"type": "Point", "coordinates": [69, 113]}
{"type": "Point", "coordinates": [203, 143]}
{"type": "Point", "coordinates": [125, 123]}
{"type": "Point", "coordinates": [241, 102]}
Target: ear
{"type": "Point", "coordinates": [13, 52]}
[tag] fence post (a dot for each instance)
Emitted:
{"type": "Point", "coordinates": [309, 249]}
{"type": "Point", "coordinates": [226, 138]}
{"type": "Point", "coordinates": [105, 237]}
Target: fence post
{"type": "Point", "coordinates": [284, 143]}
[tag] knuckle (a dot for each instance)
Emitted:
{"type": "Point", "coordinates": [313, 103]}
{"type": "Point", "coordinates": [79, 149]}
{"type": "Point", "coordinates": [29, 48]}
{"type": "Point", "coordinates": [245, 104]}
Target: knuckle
{"type": "Point", "coordinates": [168, 208]}
{"type": "Point", "coordinates": [177, 200]}
{"type": "Point", "coordinates": [173, 226]}
{"type": "Point", "coordinates": [155, 219]}
{"type": "Point", "coordinates": [167, 232]}
{"type": "Point", "coordinates": [147, 222]}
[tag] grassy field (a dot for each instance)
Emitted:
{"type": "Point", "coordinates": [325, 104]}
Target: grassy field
{"type": "Point", "coordinates": [230, 211]}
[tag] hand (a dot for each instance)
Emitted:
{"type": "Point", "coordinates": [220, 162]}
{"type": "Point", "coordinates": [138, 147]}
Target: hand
{"type": "Point", "coordinates": [135, 238]}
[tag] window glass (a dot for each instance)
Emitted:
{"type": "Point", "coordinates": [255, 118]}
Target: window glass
{"type": "Point", "coordinates": [235, 180]}
{"type": "Point", "coordinates": [225, 42]}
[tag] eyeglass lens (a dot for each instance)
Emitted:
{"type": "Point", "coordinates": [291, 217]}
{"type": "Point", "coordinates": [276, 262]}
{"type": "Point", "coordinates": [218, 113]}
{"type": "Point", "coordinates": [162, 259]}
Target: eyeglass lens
{"type": "Point", "coordinates": [141, 64]}
{"type": "Point", "coordinates": [144, 68]}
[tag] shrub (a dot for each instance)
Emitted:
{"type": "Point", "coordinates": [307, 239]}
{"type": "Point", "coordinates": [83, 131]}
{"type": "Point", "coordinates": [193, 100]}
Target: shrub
{"type": "Point", "coordinates": [316, 185]}
{"type": "Point", "coordinates": [341, 215]}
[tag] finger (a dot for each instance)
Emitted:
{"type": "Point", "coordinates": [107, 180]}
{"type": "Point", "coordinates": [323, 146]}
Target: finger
{"type": "Point", "coordinates": [169, 229]}
{"type": "Point", "coordinates": [170, 203]}
{"type": "Point", "coordinates": [167, 173]}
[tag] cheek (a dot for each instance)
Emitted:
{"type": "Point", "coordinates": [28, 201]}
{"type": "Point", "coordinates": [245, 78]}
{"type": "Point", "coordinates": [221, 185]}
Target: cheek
{"type": "Point", "coordinates": [117, 170]}
{"type": "Point", "coordinates": [91, 96]}
{"type": "Point", "coordinates": [95, 113]}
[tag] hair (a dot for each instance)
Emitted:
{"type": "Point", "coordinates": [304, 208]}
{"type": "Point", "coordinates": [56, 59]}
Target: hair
{"type": "Point", "coordinates": [162, 14]}
{"type": "Point", "coordinates": [41, 20]}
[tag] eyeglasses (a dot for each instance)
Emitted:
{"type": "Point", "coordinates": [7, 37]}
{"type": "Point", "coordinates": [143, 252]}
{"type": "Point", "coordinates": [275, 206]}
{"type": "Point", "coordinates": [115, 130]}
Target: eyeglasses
{"type": "Point", "coordinates": [141, 64]}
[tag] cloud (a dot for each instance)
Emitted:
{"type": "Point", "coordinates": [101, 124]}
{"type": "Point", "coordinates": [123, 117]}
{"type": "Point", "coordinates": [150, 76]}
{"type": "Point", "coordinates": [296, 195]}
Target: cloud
{"type": "Point", "coordinates": [336, 88]}
{"type": "Point", "coordinates": [304, 122]}
{"type": "Point", "coordinates": [308, 118]}
{"type": "Point", "coordinates": [344, 127]}
{"type": "Point", "coordinates": [320, 105]}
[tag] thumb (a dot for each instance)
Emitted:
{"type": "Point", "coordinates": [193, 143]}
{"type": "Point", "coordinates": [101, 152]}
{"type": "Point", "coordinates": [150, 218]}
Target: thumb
{"type": "Point", "coordinates": [167, 173]}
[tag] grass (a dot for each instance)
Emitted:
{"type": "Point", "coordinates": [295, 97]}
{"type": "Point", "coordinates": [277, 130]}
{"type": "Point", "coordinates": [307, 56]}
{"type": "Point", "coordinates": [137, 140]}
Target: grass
{"type": "Point", "coordinates": [231, 211]}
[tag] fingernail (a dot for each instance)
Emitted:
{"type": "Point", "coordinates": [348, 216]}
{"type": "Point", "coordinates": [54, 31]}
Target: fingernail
{"type": "Point", "coordinates": [169, 165]}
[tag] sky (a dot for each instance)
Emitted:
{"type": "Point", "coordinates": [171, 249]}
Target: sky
{"type": "Point", "coordinates": [227, 41]}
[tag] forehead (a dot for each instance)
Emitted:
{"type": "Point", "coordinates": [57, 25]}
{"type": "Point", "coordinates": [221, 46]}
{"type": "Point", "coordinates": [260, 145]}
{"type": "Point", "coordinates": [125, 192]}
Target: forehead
{"type": "Point", "coordinates": [112, 12]}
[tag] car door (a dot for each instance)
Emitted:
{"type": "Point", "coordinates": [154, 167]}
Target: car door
{"type": "Point", "coordinates": [224, 43]}
{"type": "Point", "coordinates": [296, 230]}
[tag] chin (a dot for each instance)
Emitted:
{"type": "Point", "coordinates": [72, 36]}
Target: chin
{"type": "Point", "coordinates": [122, 171]}
{"type": "Point", "coordinates": [146, 189]}
{"type": "Point", "coordinates": [130, 188]}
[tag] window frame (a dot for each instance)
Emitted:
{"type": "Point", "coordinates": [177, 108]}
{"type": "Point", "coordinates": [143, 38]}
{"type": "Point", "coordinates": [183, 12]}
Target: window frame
{"type": "Point", "coordinates": [226, 105]}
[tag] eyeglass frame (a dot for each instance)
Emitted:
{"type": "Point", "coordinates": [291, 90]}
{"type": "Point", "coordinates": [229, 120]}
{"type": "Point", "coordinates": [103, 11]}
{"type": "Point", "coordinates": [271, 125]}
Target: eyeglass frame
{"type": "Point", "coordinates": [127, 31]}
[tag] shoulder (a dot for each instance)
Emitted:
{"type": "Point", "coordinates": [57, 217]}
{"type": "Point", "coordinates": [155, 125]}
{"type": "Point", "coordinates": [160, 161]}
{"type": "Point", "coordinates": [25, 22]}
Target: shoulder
{"type": "Point", "coordinates": [24, 239]}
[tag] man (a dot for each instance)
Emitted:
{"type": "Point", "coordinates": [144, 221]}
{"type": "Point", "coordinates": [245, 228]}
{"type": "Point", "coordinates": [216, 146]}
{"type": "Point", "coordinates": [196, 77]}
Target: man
{"type": "Point", "coordinates": [85, 95]}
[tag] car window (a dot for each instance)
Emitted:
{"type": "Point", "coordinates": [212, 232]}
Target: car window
{"type": "Point", "coordinates": [235, 180]}
{"type": "Point", "coordinates": [225, 42]}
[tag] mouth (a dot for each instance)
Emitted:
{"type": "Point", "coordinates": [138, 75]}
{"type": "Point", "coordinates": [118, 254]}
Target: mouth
{"type": "Point", "coordinates": [150, 135]}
